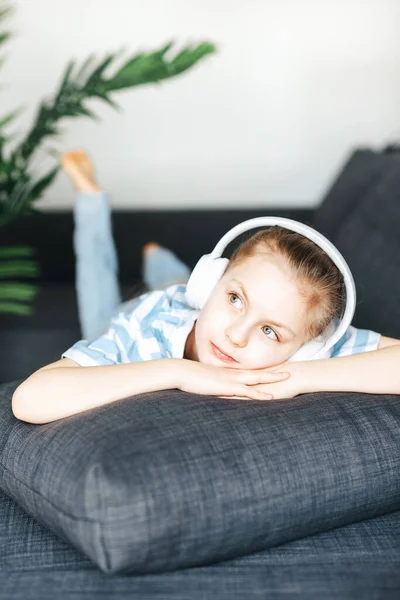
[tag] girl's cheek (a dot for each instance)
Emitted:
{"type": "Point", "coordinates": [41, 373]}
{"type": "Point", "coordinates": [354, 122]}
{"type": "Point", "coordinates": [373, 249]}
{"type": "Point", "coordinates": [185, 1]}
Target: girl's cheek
{"type": "Point", "coordinates": [262, 354]}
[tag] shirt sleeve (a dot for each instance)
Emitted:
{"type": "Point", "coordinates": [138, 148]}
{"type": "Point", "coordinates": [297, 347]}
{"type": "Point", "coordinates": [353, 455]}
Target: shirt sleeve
{"type": "Point", "coordinates": [129, 337]}
{"type": "Point", "coordinates": [356, 341]}
{"type": "Point", "coordinates": [111, 348]}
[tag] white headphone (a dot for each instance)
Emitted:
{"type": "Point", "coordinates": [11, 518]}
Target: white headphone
{"type": "Point", "coordinates": [210, 268]}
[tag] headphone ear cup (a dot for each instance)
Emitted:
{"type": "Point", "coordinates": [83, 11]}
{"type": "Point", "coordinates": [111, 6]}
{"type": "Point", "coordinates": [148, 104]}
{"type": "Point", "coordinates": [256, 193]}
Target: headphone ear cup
{"type": "Point", "coordinates": [203, 279]}
{"type": "Point", "coordinates": [308, 350]}
{"type": "Point", "coordinates": [315, 347]}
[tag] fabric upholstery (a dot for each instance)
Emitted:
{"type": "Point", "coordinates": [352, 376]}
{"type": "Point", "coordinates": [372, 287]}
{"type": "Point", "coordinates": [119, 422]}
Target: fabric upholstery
{"type": "Point", "coordinates": [361, 216]}
{"type": "Point", "coordinates": [361, 173]}
{"type": "Point", "coordinates": [170, 480]}
{"type": "Point", "coordinates": [357, 561]}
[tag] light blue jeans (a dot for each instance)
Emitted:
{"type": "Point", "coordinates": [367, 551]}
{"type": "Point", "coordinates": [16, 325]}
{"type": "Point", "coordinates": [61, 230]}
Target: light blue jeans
{"type": "Point", "coordinates": [97, 286]}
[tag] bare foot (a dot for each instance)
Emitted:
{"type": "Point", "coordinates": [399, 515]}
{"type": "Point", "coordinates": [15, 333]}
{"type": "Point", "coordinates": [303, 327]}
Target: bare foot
{"type": "Point", "coordinates": [150, 247]}
{"type": "Point", "coordinates": [78, 166]}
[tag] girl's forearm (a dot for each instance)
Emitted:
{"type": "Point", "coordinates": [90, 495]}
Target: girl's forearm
{"type": "Point", "coordinates": [376, 372]}
{"type": "Point", "coordinates": [52, 394]}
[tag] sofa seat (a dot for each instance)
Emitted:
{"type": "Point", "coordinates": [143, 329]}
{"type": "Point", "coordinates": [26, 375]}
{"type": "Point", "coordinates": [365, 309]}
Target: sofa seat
{"type": "Point", "coordinates": [358, 561]}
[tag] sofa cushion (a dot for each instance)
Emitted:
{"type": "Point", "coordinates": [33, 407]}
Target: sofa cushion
{"type": "Point", "coordinates": [34, 562]}
{"type": "Point", "coordinates": [363, 221]}
{"type": "Point", "coordinates": [370, 240]}
{"type": "Point", "coordinates": [361, 173]}
{"type": "Point", "coordinates": [168, 480]}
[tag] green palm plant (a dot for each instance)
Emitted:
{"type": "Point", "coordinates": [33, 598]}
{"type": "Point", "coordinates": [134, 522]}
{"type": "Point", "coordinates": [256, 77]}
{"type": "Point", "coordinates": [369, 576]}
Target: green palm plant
{"type": "Point", "coordinates": [20, 187]}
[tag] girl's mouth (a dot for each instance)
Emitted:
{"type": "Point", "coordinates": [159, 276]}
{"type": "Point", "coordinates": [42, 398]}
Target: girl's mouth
{"type": "Point", "coordinates": [221, 355]}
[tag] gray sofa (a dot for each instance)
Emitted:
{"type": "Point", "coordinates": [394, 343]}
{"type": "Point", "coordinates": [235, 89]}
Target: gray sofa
{"type": "Point", "coordinates": [299, 499]}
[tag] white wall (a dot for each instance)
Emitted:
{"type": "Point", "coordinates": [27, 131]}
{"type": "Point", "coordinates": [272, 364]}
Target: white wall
{"type": "Point", "coordinates": [267, 121]}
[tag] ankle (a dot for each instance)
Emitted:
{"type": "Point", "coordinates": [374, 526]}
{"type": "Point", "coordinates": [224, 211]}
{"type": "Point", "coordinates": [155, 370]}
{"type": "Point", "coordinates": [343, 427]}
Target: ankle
{"type": "Point", "coordinates": [88, 188]}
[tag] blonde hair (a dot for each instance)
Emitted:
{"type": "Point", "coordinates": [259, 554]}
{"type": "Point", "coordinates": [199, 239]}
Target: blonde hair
{"type": "Point", "coordinates": [318, 278]}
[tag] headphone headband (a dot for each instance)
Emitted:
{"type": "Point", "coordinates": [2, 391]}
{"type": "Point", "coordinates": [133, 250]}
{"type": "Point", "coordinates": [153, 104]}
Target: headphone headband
{"type": "Point", "coordinates": [316, 237]}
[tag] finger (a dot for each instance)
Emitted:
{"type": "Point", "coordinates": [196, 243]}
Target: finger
{"type": "Point", "coordinates": [231, 371]}
{"type": "Point", "coordinates": [235, 398]}
{"type": "Point", "coordinates": [254, 377]}
{"type": "Point", "coordinates": [253, 393]}
{"type": "Point", "coordinates": [275, 376]}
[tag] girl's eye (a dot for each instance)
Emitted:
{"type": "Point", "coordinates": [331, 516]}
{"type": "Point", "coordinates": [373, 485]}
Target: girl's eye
{"type": "Point", "coordinates": [267, 329]}
{"type": "Point", "coordinates": [234, 299]}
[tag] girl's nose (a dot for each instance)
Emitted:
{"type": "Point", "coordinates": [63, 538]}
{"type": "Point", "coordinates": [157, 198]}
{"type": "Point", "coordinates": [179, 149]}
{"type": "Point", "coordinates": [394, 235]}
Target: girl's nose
{"type": "Point", "coordinates": [237, 335]}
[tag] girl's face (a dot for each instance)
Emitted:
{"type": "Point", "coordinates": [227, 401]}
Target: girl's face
{"type": "Point", "coordinates": [255, 317]}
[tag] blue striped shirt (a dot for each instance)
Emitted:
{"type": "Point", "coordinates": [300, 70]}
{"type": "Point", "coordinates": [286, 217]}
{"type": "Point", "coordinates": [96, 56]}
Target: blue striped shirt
{"type": "Point", "coordinates": [158, 327]}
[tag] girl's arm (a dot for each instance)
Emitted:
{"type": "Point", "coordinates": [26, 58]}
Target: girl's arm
{"type": "Point", "coordinates": [374, 372]}
{"type": "Point", "coordinates": [65, 388]}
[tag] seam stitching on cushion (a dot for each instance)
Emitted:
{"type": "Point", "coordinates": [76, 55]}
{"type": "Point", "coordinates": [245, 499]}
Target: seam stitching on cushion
{"type": "Point", "coordinates": [71, 516]}
{"type": "Point", "coordinates": [99, 523]}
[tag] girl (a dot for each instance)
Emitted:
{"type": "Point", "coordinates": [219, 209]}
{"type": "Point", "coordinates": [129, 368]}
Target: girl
{"type": "Point", "coordinates": [279, 291]}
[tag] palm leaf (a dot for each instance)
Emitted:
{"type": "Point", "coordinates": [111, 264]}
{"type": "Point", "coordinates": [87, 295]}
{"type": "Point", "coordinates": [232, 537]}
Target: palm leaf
{"type": "Point", "coordinates": [17, 291]}
{"type": "Point", "coordinates": [8, 118]}
{"type": "Point", "coordinates": [16, 309]}
{"type": "Point", "coordinates": [95, 77]}
{"type": "Point", "coordinates": [4, 37]}
{"type": "Point", "coordinates": [16, 252]}
{"type": "Point", "coordinates": [11, 269]}
{"type": "Point", "coordinates": [15, 261]}
{"type": "Point", "coordinates": [141, 69]}
{"type": "Point", "coordinates": [39, 187]}
{"type": "Point", "coordinates": [153, 67]}
{"type": "Point", "coordinates": [18, 188]}
{"type": "Point", "coordinates": [65, 79]}
{"type": "Point", "coordinates": [5, 12]}
{"type": "Point", "coordinates": [82, 72]}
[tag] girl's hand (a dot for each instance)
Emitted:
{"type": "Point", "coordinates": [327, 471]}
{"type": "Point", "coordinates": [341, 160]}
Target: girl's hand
{"type": "Point", "coordinates": [209, 380]}
{"type": "Point", "coordinates": [290, 387]}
